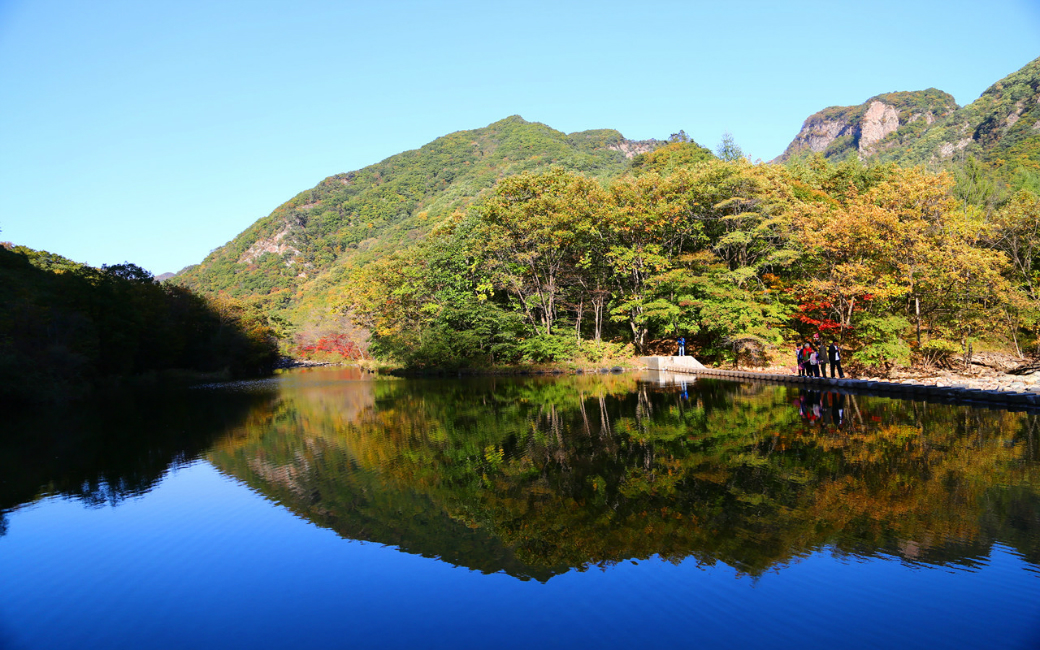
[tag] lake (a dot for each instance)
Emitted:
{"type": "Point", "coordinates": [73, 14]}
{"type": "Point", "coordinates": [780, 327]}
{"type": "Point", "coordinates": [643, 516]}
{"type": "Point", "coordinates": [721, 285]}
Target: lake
{"type": "Point", "coordinates": [329, 508]}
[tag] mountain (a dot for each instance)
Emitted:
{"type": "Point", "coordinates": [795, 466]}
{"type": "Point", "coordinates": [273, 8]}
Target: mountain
{"type": "Point", "coordinates": [67, 328]}
{"type": "Point", "coordinates": [875, 126]}
{"type": "Point", "coordinates": [363, 214]}
{"type": "Point", "coordinates": [294, 263]}
{"type": "Point", "coordinates": [1001, 128]}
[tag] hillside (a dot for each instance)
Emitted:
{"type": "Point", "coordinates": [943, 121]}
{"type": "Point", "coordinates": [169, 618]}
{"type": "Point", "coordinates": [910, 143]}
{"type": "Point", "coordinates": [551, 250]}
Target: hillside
{"type": "Point", "coordinates": [727, 244]}
{"type": "Point", "coordinates": [66, 328]}
{"type": "Point", "coordinates": [1001, 128]}
{"type": "Point", "coordinates": [363, 214]}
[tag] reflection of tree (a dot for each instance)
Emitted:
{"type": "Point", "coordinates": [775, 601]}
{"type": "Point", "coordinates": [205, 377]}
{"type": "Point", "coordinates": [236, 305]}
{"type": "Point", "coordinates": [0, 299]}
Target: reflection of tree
{"type": "Point", "coordinates": [535, 477]}
{"type": "Point", "coordinates": [113, 447]}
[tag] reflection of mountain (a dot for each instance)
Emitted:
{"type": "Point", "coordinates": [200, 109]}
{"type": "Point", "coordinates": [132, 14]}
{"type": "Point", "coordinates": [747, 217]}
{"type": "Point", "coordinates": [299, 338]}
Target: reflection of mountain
{"type": "Point", "coordinates": [115, 446]}
{"type": "Point", "coordinates": [535, 477]}
{"type": "Point", "coordinates": [301, 463]}
{"type": "Point", "coordinates": [355, 504]}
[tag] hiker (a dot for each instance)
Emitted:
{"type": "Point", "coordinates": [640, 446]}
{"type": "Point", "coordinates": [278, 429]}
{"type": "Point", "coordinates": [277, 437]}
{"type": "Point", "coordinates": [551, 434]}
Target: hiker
{"type": "Point", "coordinates": [811, 406]}
{"type": "Point", "coordinates": [682, 346]}
{"type": "Point", "coordinates": [838, 409]}
{"type": "Point", "coordinates": [834, 354]}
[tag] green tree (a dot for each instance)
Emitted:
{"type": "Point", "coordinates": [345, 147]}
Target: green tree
{"type": "Point", "coordinates": [531, 237]}
{"type": "Point", "coordinates": [728, 150]}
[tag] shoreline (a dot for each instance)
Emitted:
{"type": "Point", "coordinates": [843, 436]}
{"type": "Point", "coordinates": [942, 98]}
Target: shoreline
{"type": "Point", "coordinates": [992, 388]}
{"type": "Point", "coordinates": [986, 386]}
{"type": "Point", "coordinates": [993, 372]}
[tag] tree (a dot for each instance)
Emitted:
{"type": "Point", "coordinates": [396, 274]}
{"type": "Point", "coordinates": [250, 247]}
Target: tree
{"type": "Point", "coordinates": [901, 248]}
{"type": "Point", "coordinates": [728, 150]}
{"type": "Point", "coordinates": [127, 271]}
{"type": "Point", "coordinates": [679, 137]}
{"type": "Point", "coordinates": [432, 305]}
{"type": "Point", "coordinates": [531, 231]}
{"type": "Point", "coordinates": [1016, 233]}
{"type": "Point", "coordinates": [700, 298]}
{"type": "Point", "coordinates": [646, 225]}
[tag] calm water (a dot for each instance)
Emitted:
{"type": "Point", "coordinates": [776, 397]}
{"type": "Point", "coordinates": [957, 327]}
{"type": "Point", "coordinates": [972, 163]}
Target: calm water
{"type": "Point", "coordinates": [326, 509]}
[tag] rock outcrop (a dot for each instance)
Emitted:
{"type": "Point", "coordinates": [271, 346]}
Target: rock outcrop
{"type": "Point", "coordinates": [270, 245]}
{"type": "Point", "coordinates": [879, 120]}
{"type": "Point", "coordinates": [876, 125]}
{"type": "Point", "coordinates": [928, 128]}
{"type": "Point", "coordinates": [632, 148]}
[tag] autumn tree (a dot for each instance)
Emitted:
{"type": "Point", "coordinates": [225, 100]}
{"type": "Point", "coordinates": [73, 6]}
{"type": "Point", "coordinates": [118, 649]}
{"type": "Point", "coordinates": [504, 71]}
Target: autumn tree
{"type": "Point", "coordinates": [531, 231]}
{"type": "Point", "coordinates": [647, 224]}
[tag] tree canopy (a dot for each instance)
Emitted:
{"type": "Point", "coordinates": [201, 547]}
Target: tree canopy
{"type": "Point", "coordinates": [738, 257]}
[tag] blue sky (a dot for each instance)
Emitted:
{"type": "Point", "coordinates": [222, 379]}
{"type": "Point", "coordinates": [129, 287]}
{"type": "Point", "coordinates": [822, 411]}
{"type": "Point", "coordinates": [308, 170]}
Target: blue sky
{"type": "Point", "coordinates": [155, 132]}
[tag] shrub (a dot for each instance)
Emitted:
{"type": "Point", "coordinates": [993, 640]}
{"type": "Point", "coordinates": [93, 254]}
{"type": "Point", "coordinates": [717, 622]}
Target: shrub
{"type": "Point", "coordinates": [545, 348]}
{"type": "Point", "coordinates": [939, 352]}
{"type": "Point", "coordinates": [883, 346]}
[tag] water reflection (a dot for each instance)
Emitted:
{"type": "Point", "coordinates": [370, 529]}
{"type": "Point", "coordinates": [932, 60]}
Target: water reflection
{"type": "Point", "coordinates": [540, 476]}
{"type": "Point", "coordinates": [115, 447]}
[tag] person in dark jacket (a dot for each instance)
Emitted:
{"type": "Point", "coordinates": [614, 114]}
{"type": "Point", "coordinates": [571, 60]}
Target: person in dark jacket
{"type": "Point", "coordinates": [834, 356]}
{"type": "Point", "coordinates": [817, 345]}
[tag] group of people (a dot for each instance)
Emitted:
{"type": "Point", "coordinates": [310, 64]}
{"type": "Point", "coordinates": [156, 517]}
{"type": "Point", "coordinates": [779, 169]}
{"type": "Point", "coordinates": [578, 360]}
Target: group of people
{"type": "Point", "coordinates": [813, 359]}
{"type": "Point", "coordinates": [825, 409]}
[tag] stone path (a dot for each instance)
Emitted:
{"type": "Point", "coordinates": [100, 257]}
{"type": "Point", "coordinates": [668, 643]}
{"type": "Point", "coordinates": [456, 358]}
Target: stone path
{"type": "Point", "coordinates": [1004, 399]}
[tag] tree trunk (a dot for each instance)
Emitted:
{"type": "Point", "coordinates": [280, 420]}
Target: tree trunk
{"type": "Point", "coordinates": [1013, 326]}
{"type": "Point", "coordinates": [577, 326]}
{"type": "Point", "coordinates": [917, 311]}
{"type": "Point", "coordinates": [599, 304]}
{"type": "Point", "coordinates": [638, 335]}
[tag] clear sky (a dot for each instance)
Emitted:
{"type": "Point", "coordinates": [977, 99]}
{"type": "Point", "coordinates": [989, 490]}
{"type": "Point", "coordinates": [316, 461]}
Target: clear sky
{"type": "Point", "coordinates": [154, 132]}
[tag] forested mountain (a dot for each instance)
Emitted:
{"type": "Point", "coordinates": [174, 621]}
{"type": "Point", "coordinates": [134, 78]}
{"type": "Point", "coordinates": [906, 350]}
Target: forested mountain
{"type": "Point", "coordinates": [518, 243]}
{"type": "Point", "coordinates": [66, 327]}
{"type": "Point", "coordinates": [1000, 129]}
{"type": "Point", "coordinates": [363, 214]}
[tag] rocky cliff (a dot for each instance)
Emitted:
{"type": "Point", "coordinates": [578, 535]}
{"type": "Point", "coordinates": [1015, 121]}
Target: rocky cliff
{"type": "Point", "coordinates": [1002, 127]}
{"type": "Point", "coordinates": [876, 125]}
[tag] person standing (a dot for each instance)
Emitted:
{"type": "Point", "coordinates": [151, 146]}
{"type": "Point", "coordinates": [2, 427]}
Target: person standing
{"type": "Point", "coordinates": [834, 354]}
{"type": "Point", "coordinates": [682, 346]}
{"type": "Point", "coordinates": [801, 360]}
{"type": "Point", "coordinates": [814, 362]}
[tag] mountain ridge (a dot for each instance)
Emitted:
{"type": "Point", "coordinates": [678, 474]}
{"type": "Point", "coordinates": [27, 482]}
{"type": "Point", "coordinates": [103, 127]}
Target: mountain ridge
{"type": "Point", "coordinates": [363, 213]}
{"type": "Point", "coordinates": [1000, 128]}
{"type": "Point", "coordinates": [296, 261]}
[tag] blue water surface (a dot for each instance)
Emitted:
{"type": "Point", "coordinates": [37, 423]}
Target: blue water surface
{"type": "Point", "coordinates": [202, 561]}
{"type": "Point", "coordinates": [332, 511]}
